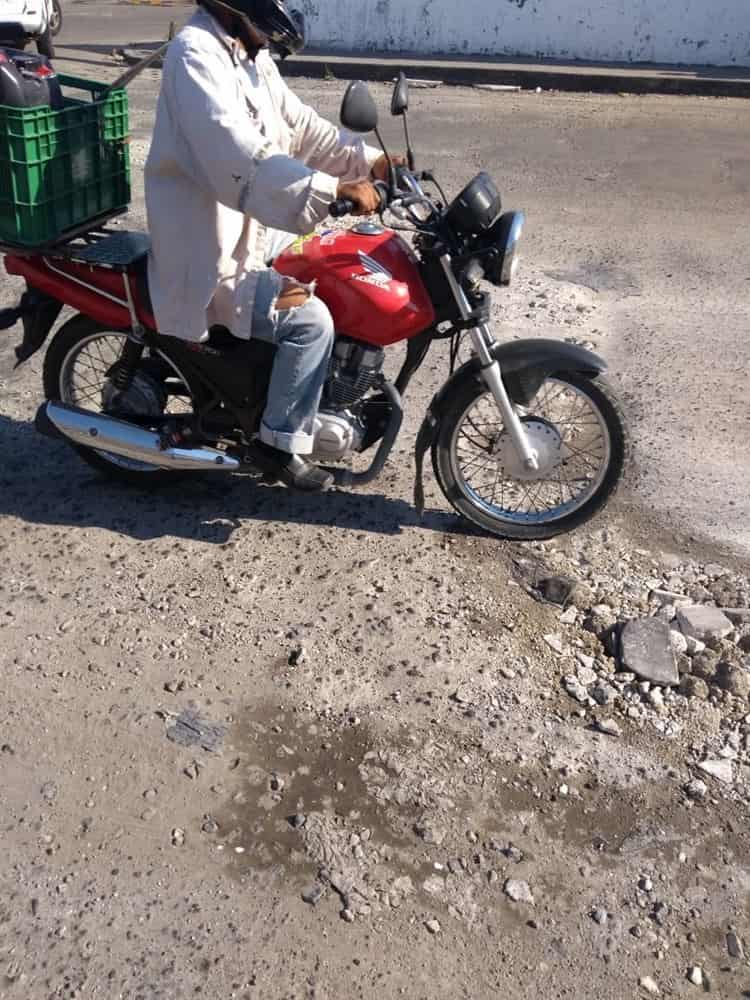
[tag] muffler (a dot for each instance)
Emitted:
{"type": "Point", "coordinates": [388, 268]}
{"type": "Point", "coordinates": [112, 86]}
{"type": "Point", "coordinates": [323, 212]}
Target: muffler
{"type": "Point", "coordinates": [95, 430]}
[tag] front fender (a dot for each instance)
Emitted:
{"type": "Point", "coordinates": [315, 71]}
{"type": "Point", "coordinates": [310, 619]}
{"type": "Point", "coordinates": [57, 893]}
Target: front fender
{"type": "Point", "coordinates": [525, 364]}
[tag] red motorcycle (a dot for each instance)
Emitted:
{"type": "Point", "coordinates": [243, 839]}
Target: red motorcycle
{"type": "Point", "coordinates": [527, 437]}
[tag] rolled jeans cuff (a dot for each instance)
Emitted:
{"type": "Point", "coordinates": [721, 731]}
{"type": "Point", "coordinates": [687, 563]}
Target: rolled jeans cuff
{"type": "Point", "coordinates": [297, 443]}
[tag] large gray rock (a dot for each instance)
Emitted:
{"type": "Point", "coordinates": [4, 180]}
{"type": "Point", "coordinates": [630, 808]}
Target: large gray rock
{"type": "Point", "coordinates": [704, 622]}
{"type": "Point", "coordinates": [646, 650]}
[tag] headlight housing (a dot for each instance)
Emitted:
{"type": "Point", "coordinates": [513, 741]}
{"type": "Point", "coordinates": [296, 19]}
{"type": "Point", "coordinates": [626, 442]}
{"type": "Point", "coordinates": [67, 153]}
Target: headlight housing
{"type": "Point", "coordinates": [501, 263]}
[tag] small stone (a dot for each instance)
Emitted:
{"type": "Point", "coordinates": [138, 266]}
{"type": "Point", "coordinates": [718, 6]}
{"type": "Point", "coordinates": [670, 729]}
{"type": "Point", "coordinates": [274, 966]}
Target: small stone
{"type": "Point", "coordinates": [655, 698]}
{"type": "Point", "coordinates": [586, 676]}
{"type": "Point", "coordinates": [645, 884]}
{"type": "Point", "coordinates": [649, 985]}
{"type": "Point", "coordinates": [704, 665]}
{"type": "Point", "coordinates": [297, 656]}
{"type": "Point", "coordinates": [694, 687]}
{"type": "Point", "coordinates": [150, 794]}
{"type": "Point", "coordinates": [734, 679]}
{"type": "Point", "coordinates": [695, 975]}
{"type": "Point", "coordinates": [555, 643]}
{"type": "Point", "coordinates": [513, 854]}
{"type": "Point", "coordinates": [703, 622]}
{"type": "Point", "coordinates": [599, 916]}
{"type": "Point", "coordinates": [463, 695]}
{"type": "Point", "coordinates": [178, 837]}
{"type": "Point", "coordinates": [603, 694]}
{"type": "Point", "coordinates": [576, 690]}
{"type": "Point", "coordinates": [694, 646]}
{"type": "Point", "coordinates": [49, 791]}
{"type": "Point", "coordinates": [313, 895]}
{"type": "Point", "coordinates": [277, 783]}
{"type": "Point", "coordinates": [585, 661]}
{"type": "Point", "coordinates": [297, 821]}
{"type": "Point", "coordinates": [646, 650]}
{"type": "Point", "coordinates": [608, 726]}
{"type": "Point", "coordinates": [734, 946]}
{"type": "Point", "coordinates": [557, 589]}
{"type": "Point", "coordinates": [430, 833]}
{"type": "Point", "coordinates": [719, 769]}
{"type": "Point", "coordinates": [679, 642]}
{"type": "Point", "coordinates": [433, 926]}
{"type": "Point", "coordinates": [696, 789]}
{"type": "Point", "coordinates": [518, 891]}
{"type": "Point", "coordinates": [347, 915]}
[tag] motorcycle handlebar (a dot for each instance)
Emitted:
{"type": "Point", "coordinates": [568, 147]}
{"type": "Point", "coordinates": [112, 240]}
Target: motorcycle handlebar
{"type": "Point", "coordinates": [341, 207]}
{"type": "Point", "coordinates": [345, 206]}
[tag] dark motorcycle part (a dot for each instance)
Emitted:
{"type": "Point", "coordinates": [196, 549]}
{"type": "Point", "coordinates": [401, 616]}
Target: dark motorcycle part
{"type": "Point", "coordinates": [355, 369]}
{"type": "Point", "coordinates": [344, 477]}
{"type": "Point", "coordinates": [476, 209]}
{"type": "Point", "coordinates": [39, 313]}
{"type": "Point", "coordinates": [525, 365]}
{"type": "Point", "coordinates": [130, 358]}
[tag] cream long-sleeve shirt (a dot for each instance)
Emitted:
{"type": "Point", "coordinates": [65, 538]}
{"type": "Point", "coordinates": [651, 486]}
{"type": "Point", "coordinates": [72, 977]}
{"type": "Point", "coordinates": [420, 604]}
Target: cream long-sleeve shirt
{"type": "Point", "coordinates": [234, 154]}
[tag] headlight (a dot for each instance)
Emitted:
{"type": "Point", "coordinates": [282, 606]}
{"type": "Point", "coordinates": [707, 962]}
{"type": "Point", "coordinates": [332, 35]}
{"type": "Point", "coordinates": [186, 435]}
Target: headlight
{"type": "Point", "coordinates": [503, 240]}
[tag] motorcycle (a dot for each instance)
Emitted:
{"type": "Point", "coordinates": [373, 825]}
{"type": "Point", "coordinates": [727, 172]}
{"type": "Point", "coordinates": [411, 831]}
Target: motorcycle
{"type": "Point", "coordinates": [527, 438]}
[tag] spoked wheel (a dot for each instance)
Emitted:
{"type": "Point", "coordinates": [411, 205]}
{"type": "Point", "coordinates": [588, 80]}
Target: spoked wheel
{"type": "Point", "coordinates": [77, 371]}
{"type": "Point", "coordinates": [576, 426]}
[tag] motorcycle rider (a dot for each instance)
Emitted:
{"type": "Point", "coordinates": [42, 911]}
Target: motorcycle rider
{"type": "Point", "coordinates": [237, 159]}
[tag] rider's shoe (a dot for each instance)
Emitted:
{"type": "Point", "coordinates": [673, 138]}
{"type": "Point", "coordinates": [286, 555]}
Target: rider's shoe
{"type": "Point", "coordinates": [294, 471]}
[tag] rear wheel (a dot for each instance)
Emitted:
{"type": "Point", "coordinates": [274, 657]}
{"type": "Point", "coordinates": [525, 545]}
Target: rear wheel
{"type": "Point", "coordinates": [576, 426]}
{"type": "Point", "coordinates": [77, 371]}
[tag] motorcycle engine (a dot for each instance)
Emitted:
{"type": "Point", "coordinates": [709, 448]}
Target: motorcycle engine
{"type": "Point", "coordinates": [355, 369]}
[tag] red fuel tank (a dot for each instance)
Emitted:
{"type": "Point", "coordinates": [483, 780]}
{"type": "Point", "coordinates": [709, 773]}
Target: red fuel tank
{"type": "Point", "coordinates": [371, 283]}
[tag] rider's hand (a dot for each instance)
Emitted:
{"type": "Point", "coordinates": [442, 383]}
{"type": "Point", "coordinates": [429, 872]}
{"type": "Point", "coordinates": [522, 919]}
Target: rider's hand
{"type": "Point", "coordinates": [363, 194]}
{"type": "Point", "coordinates": [380, 171]}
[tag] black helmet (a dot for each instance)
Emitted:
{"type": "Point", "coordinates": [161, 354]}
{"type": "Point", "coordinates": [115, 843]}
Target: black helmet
{"type": "Point", "coordinates": [283, 28]}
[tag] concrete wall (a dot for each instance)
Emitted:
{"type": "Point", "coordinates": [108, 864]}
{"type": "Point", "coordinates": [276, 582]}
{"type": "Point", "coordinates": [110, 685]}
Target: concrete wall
{"type": "Point", "coordinates": [707, 32]}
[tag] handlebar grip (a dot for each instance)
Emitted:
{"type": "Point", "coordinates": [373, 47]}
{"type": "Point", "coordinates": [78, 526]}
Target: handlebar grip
{"type": "Point", "coordinates": [341, 207]}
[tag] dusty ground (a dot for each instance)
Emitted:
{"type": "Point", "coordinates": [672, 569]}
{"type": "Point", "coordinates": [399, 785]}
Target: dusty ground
{"type": "Point", "coordinates": [385, 678]}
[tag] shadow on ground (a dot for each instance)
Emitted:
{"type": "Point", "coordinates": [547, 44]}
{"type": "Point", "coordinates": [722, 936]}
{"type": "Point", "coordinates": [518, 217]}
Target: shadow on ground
{"type": "Point", "coordinates": [44, 482]}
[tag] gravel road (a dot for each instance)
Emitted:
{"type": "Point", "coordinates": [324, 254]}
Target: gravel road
{"type": "Point", "coordinates": [257, 746]}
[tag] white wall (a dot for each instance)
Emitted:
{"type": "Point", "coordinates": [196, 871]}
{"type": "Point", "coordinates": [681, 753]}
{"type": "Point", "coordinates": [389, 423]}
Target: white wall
{"type": "Point", "coordinates": [708, 32]}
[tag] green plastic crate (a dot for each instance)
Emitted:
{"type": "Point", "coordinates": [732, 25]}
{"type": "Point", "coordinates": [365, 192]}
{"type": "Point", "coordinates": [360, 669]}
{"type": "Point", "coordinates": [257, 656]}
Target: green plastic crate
{"type": "Point", "coordinates": [62, 169]}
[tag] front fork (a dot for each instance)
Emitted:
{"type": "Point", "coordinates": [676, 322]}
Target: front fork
{"type": "Point", "coordinates": [483, 342]}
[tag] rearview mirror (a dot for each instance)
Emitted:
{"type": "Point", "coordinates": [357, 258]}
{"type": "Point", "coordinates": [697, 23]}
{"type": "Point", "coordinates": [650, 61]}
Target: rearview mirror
{"type": "Point", "coordinates": [400, 100]}
{"type": "Point", "coordinates": [358, 111]}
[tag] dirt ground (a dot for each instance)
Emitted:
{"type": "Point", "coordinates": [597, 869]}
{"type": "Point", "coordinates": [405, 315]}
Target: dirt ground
{"type": "Point", "coordinates": [253, 745]}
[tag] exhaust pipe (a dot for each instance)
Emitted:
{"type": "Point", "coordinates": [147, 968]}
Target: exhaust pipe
{"type": "Point", "coordinates": [95, 430]}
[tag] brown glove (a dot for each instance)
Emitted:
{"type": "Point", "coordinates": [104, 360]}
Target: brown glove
{"type": "Point", "coordinates": [363, 194]}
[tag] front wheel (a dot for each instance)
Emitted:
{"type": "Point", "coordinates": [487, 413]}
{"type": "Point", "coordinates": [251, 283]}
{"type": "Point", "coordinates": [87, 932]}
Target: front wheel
{"type": "Point", "coordinates": [576, 426]}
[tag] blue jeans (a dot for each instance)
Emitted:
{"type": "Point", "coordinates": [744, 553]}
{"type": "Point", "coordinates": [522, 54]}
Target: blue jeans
{"type": "Point", "coordinates": [304, 339]}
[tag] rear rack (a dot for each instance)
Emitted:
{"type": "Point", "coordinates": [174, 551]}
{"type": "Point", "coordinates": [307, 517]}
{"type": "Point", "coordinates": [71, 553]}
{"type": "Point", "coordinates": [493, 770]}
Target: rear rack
{"type": "Point", "coordinates": [91, 244]}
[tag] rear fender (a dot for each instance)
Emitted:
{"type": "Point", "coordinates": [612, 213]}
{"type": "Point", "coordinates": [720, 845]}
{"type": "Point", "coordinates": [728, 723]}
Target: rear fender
{"type": "Point", "coordinates": [525, 364]}
{"type": "Point", "coordinates": [38, 312]}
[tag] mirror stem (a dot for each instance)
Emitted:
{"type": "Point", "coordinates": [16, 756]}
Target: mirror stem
{"type": "Point", "coordinates": [391, 170]}
{"type": "Point", "coordinates": [409, 151]}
